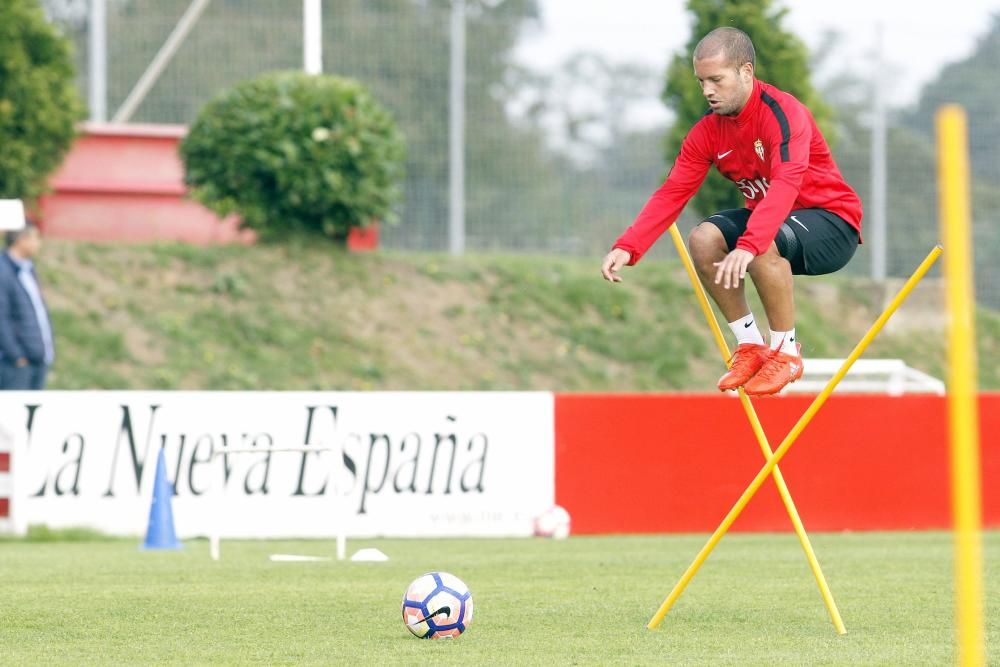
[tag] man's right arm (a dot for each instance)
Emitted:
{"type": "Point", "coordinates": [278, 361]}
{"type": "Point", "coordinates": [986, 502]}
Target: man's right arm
{"type": "Point", "coordinates": [666, 204]}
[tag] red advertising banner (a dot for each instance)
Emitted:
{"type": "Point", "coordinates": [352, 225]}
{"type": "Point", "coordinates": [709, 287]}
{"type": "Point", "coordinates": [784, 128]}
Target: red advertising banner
{"type": "Point", "coordinates": [642, 463]}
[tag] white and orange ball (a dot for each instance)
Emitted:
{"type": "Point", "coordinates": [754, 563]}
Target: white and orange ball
{"type": "Point", "coordinates": [553, 522]}
{"type": "Point", "coordinates": [437, 605]}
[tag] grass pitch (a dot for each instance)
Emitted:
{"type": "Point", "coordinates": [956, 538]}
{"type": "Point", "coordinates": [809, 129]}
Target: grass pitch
{"type": "Point", "coordinates": [582, 601]}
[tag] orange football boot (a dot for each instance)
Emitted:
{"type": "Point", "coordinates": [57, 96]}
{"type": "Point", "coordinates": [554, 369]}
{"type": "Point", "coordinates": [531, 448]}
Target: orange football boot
{"type": "Point", "coordinates": [779, 370]}
{"type": "Point", "coordinates": [746, 360]}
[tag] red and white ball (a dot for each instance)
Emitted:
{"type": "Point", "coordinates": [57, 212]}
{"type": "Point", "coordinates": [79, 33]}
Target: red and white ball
{"type": "Point", "coordinates": [553, 522]}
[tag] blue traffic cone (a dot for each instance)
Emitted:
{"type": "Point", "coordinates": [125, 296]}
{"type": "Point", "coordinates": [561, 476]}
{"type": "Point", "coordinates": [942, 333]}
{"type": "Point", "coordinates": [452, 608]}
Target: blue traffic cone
{"type": "Point", "coordinates": [160, 534]}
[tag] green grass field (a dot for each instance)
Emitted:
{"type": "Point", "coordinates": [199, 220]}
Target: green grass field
{"type": "Point", "coordinates": [582, 601]}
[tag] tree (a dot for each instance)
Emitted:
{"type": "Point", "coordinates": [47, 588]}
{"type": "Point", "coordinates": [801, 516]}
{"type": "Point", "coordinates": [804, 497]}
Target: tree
{"type": "Point", "coordinates": [292, 152]}
{"type": "Point", "coordinates": [782, 60]}
{"type": "Point", "coordinates": [39, 106]}
{"type": "Point", "coordinates": [607, 155]}
{"type": "Point", "coordinates": [968, 83]}
{"type": "Point", "coordinates": [912, 218]}
{"type": "Point", "coordinates": [582, 108]}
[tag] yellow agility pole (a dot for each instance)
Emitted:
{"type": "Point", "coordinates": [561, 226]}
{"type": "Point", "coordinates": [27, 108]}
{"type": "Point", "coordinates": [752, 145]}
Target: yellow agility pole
{"type": "Point", "coordinates": [758, 431]}
{"type": "Point", "coordinates": [789, 440]}
{"type": "Point", "coordinates": [963, 418]}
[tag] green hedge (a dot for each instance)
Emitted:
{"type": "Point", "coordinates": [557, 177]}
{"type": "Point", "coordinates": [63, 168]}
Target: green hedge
{"type": "Point", "coordinates": [39, 105]}
{"type": "Point", "coordinates": [290, 152]}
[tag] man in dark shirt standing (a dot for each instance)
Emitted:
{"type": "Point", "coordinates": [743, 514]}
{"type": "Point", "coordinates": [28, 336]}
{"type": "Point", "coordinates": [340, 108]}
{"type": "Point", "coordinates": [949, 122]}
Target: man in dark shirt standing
{"type": "Point", "coordinates": [26, 342]}
{"type": "Point", "coordinates": [800, 216]}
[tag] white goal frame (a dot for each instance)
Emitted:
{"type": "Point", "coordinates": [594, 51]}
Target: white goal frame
{"type": "Point", "coordinates": [337, 509]}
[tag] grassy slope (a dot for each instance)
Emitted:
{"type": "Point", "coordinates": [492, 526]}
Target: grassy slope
{"type": "Point", "coordinates": [308, 316]}
{"type": "Point", "coordinates": [582, 601]}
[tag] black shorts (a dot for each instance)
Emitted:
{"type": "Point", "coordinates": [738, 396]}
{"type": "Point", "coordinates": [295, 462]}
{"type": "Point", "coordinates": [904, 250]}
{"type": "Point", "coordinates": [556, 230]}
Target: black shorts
{"type": "Point", "coordinates": [813, 240]}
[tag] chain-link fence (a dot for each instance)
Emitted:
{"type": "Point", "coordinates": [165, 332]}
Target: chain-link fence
{"type": "Point", "coordinates": [541, 176]}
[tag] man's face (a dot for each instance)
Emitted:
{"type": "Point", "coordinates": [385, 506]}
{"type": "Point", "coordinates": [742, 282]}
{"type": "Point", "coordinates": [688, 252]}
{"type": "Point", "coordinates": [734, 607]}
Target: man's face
{"type": "Point", "coordinates": [30, 243]}
{"type": "Point", "coordinates": [726, 87]}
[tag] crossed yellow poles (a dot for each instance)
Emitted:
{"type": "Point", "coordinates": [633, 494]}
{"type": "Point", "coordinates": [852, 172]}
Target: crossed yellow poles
{"type": "Point", "coordinates": [954, 210]}
{"type": "Point", "coordinates": [773, 457]}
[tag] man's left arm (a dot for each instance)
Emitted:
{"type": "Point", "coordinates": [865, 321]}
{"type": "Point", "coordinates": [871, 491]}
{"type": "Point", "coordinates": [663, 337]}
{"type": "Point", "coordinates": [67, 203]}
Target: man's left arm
{"type": "Point", "coordinates": [788, 149]}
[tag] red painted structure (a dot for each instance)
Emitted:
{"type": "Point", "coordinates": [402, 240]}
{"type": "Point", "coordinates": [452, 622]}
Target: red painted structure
{"type": "Point", "coordinates": [126, 183]}
{"type": "Point", "coordinates": [678, 463]}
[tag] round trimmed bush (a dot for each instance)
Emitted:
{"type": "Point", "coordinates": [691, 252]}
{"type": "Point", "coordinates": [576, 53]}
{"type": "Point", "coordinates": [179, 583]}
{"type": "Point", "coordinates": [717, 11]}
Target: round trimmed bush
{"type": "Point", "coordinates": [39, 104]}
{"type": "Point", "coordinates": [292, 152]}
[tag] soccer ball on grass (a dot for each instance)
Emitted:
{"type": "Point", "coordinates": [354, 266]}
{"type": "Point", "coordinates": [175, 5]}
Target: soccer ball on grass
{"type": "Point", "coordinates": [437, 605]}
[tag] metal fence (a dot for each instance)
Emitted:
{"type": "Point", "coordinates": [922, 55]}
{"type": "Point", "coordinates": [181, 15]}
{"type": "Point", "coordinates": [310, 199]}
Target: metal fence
{"type": "Point", "coordinates": [539, 178]}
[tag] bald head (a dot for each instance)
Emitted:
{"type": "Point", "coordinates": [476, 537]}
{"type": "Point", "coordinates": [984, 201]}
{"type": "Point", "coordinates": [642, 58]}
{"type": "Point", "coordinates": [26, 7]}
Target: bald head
{"type": "Point", "coordinates": [724, 64]}
{"type": "Point", "coordinates": [732, 44]}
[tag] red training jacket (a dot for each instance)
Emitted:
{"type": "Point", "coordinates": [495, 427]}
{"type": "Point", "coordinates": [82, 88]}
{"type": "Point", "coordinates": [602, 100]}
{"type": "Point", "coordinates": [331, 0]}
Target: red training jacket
{"type": "Point", "coordinates": [775, 155]}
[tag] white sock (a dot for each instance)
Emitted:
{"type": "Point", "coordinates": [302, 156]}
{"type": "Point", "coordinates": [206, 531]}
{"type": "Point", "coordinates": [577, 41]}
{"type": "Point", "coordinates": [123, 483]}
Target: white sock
{"type": "Point", "coordinates": [785, 341]}
{"type": "Point", "coordinates": [746, 331]}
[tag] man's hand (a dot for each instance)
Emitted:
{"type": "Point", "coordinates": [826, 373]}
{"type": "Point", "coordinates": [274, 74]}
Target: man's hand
{"type": "Point", "coordinates": [733, 268]}
{"type": "Point", "coordinates": [21, 362]}
{"type": "Point", "coordinates": [613, 262]}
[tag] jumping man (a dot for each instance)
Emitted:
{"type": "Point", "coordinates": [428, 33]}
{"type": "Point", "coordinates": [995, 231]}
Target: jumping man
{"type": "Point", "coordinates": [799, 218]}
